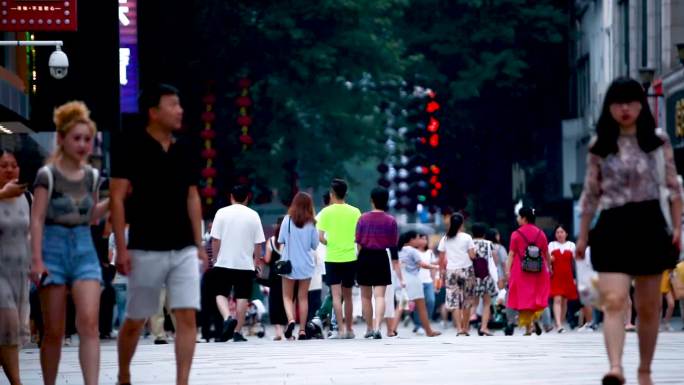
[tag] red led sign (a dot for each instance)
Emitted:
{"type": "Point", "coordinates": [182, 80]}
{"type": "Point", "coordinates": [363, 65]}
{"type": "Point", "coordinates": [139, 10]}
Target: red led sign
{"type": "Point", "coordinates": [38, 15]}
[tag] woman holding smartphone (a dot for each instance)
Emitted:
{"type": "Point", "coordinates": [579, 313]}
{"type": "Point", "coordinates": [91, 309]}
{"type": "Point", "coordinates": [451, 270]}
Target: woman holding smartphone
{"type": "Point", "coordinates": [15, 260]}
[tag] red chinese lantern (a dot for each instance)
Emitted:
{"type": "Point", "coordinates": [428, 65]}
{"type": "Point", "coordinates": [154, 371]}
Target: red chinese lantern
{"type": "Point", "coordinates": [243, 101]}
{"type": "Point", "coordinates": [434, 193]}
{"type": "Point", "coordinates": [244, 121]}
{"type": "Point", "coordinates": [208, 153]}
{"type": "Point", "coordinates": [208, 117]}
{"type": "Point", "coordinates": [244, 83]}
{"type": "Point", "coordinates": [209, 99]}
{"type": "Point", "coordinates": [208, 134]}
{"type": "Point", "coordinates": [209, 192]}
{"type": "Point", "coordinates": [208, 172]}
{"type": "Point", "coordinates": [246, 140]}
{"type": "Point", "coordinates": [435, 170]}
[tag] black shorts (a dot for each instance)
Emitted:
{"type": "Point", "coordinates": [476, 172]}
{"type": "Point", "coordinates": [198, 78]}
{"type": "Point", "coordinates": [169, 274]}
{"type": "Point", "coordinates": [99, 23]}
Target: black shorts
{"type": "Point", "coordinates": [632, 239]}
{"type": "Point", "coordinates": [239, 282]}
{"type": "Point", "coordinates": [373, 268]}
{"type": "Point", "coordinates": [340, 273]}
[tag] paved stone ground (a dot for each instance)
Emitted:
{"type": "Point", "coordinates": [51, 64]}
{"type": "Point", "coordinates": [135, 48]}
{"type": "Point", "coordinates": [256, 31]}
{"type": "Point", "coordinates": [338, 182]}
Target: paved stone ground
{"type": "Point", "coordinates": [551, 359]}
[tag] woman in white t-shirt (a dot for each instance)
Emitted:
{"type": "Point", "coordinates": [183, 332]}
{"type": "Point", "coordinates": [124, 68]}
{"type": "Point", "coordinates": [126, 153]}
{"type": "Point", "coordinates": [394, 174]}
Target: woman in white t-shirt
{"type": "Point", "coordinates": [456, 254]}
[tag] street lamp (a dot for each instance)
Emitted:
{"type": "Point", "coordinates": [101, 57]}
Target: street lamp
{"type": "Point", "coordinates": [680, 52]}
{"type": "Point", "coordinates": [646, 75]}
{"type": "Point", "coordinates": [58, 62]}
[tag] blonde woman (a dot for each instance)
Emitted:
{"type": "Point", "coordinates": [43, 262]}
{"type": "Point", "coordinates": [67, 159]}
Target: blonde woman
{"type": "Point", "coordinates": [65, 203]}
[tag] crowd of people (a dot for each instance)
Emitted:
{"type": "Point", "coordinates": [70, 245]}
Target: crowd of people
{"type": "Point", "coordinates": [158, 269]}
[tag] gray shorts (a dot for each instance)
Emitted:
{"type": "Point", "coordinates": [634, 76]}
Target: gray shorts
{"type": "Point", "coordinates": [175, 270]}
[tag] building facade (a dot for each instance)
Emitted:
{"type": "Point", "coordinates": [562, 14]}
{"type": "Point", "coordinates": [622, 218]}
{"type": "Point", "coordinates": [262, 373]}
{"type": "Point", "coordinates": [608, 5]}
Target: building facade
{"type": "Point", "coordinates": [613, 38]}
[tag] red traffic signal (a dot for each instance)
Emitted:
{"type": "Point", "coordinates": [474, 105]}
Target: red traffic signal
{"type": "Point", "coordinates": [434, 140]}
{"type": "Point", "coordinates": [432, 107]}
{"type": "Point", "coordinates": [433, 126]}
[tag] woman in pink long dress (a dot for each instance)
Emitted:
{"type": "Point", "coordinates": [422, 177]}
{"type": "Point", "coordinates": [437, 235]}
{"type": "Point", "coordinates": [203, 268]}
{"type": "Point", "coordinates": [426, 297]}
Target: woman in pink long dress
{"type": "Point", "coordinates": [528, 292]}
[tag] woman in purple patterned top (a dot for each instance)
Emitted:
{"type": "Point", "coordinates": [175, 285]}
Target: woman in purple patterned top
{"type": "Point", "coordinates": [630, 169]}
{"type": "Point", "coordinates": [377, 235]}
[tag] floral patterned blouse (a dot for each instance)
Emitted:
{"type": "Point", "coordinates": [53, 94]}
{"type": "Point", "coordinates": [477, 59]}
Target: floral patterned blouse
{"type": "Point", "coordinates": [629, 176]}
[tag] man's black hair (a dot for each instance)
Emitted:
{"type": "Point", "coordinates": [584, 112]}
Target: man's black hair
{"type": "Point", "coordinates": [151, 96]}
{"type": "Point", "coordinates": [339, 188]}
{"type": "Point", "coordinates": [240, 193]}
{"type": "Point", "coordinates": [380, 198]}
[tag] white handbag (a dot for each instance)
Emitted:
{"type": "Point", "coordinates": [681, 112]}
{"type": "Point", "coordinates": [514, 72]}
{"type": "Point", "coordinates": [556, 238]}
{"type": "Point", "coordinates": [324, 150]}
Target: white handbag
{"type": "Point", "coordinates": [662, 185]}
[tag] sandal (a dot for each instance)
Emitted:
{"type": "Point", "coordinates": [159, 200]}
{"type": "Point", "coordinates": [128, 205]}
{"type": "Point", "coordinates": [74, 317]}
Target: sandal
{"type": "Point", "coordinates": [277, 338]}
{"type": "Point", "coordinates": [613, 378]}
{"type": "Point", "coordinates": [302, 336]}
{"type": "Point", "coordinates": [289, 329]}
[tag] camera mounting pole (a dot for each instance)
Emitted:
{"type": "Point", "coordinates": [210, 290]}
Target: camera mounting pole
{"type": "Point", "coordinates": [28, 43]}
{"type": "Point", "coordinates": [58, 62]}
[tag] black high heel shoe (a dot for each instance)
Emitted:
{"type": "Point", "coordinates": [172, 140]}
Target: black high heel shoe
{"type": "Point", "coordinates": [289, 330]}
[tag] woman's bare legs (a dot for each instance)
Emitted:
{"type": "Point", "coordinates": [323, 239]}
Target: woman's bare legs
{"type": "Point", "coordinates": [614, 289]}
{"type": "Point", "coordinates": [647, 300]}
{"type": "Point", "coordinates": [86, 296]}
{"type": "Point", "coordinates": [53, 308]}
{"type": "Point", "coordinates": [486, 312]}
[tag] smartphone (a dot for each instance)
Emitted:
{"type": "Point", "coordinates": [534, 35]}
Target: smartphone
{"type": "Point", "coordinates": [43, 277]}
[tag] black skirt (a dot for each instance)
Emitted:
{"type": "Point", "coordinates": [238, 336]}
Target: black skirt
{"type": "Point", "coordinates": [373, 268]}
{"type": "Point", "coordinates": [632, 239]}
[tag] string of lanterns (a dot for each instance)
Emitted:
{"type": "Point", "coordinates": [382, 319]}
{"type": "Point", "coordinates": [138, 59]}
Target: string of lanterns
{"type": "Point", "coordinates": [208, 134]}
{"type": "Point", "coordinates": [244, 120]}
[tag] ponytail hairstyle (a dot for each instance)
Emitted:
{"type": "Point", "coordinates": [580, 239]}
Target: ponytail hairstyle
{"type": "Point", "coordinates": [66, 117]}
{"type": "Point", "coordinates": [457, 221]}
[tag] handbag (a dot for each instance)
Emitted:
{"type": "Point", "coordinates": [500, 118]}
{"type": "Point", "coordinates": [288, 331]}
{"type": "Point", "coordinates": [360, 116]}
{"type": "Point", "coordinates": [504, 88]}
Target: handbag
{"type": "Point", "coordinates": [263, 272]}
{"type": "Point", "coordinates": [677, 280]}
{"type": "Point", "coordinates": [284, 267]}
{"type": "Point", "coordinates": [664, 192]}
{"type": "Point", "coordinates": [481, 261]}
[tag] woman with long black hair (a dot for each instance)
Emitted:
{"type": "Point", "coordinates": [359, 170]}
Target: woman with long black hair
{"type": "Point", "coordinates": [631, 178]}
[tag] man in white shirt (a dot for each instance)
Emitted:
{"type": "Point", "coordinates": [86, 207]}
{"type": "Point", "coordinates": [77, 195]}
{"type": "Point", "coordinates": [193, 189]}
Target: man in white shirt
{"type": "Point", "coordinates": [237, 236]}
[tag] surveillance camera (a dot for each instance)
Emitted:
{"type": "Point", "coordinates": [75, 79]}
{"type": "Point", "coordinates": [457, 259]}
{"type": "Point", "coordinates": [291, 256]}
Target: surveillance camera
{"type": "Point", "coordinates": [59, 64]}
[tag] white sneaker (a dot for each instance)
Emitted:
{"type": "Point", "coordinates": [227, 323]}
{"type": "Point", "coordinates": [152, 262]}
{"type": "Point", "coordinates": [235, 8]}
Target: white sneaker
{"type": "Point", "coordinates": [420, 332]}
{"type": "Point", "coordinates": [335, 335]}
{"type": "Point", "coordinates": [586, 328]}
{"type": "Point", "coordinates": [349, 336]}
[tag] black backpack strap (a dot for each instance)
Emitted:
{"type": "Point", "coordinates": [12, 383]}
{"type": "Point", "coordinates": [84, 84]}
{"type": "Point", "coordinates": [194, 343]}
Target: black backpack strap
{"type": "Point", "coordinates": [29, 198]}
{"type": "Point", "coordinates": [524, 237]}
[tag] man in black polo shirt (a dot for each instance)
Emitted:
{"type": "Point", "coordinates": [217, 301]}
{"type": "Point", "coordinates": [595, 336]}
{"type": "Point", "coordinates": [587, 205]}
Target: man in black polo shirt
{"type": "Point", "coordinates": [164, 213]}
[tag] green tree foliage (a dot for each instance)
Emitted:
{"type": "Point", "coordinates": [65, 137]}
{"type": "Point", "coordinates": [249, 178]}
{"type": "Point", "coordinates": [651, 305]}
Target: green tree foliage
{"type": "Point", "coordinates": [312, 62]}
{"type": "Point", "coordinates": [317, 66]}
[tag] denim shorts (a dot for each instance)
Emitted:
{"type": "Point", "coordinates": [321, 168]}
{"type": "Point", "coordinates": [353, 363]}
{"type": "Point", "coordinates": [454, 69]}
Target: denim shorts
{"type": "Point", "coordinates": [69, 255]}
